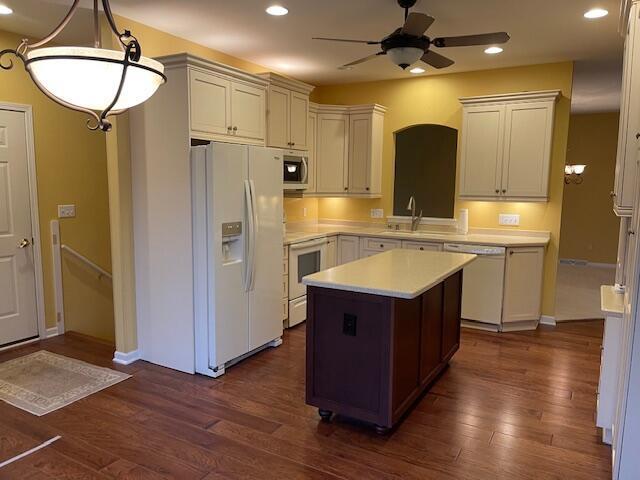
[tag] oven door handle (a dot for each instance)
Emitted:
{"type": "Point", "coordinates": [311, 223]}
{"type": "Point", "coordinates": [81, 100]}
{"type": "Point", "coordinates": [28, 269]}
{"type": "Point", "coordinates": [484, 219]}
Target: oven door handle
{"type": "Point", "coordinates": [305, 245]}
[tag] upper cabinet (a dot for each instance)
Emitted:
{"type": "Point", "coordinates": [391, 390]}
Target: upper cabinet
{"type": "Point", "coordinates": [626, 165]}
{"type": "Point", "coordinates": [287, 112]}
{"type": "Point", "coordinates": [225, 104]}
{"type": "Point", "coordinates": [506, 146]}
{"type": "Point", "coordinates": [348, 150]}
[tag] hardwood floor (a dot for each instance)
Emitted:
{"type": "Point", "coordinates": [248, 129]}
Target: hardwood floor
{"type": "Point", "coordinates": [511, 406]}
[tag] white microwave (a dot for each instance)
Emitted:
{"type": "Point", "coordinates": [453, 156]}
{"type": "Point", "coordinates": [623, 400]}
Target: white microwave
{"type": "Point", "coordinates": [295, 170]}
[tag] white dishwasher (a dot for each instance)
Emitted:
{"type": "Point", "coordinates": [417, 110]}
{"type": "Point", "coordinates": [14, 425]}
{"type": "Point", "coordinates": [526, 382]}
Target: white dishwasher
{"type": "Point", "coordinates": [482, 283]}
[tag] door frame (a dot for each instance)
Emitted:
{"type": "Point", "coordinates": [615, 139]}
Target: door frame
{"type": "Point", "coordinates": [35, 217]}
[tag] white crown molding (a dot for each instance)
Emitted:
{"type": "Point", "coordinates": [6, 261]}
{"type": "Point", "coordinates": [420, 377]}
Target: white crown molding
{"type": "Point", "coordinates": [538, 96]}
{"type": "Point", "coordinates": [182, 60]}
{"type": "Point", "coordinates": [287, 82]}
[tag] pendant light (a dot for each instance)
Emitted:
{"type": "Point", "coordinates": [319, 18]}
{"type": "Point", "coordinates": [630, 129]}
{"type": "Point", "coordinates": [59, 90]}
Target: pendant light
{"type": "Point", "coordinates": [94, 80]}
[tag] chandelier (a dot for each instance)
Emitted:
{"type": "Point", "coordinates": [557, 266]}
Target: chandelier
{"type": "Point", "coordinates": [94, 80]}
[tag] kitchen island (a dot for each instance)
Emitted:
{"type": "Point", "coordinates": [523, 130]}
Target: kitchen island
{"type": "Point", "coordinates": [379, 331]}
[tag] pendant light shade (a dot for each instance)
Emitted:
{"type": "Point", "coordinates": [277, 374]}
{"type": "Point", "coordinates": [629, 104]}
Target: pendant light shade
{"type": "Point", "coordinates": [93, 80]}
{"type": "Point", "coordinates": [90, 77]}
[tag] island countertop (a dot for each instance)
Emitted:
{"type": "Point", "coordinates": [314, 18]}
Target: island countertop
{"type": "Point", "coordinates": [396, 273]}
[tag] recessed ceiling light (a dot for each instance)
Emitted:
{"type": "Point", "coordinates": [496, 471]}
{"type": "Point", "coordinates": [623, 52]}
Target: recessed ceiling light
{"type": "Point", "coordinates": [596, 13]}
{"type": "Point", "coordinates": [493, 50]}
{"type": "Point", "coordinates": [417, 70]}
{"type": "Point", "coordinates": [277, 10]}
{"type": "Point", "coordinates": [4, 10]}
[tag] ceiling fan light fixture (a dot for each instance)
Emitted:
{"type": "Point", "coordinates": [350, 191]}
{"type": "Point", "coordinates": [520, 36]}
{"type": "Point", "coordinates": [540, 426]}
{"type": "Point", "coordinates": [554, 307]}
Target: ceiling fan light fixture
{"type": "Point", "coordinates": [405, 56]}
{"type": "Point", "coordinates": [4, 10]}
{"type": "Point", "coordinates": [417, 70]}
{"type": "Point", "coordinates": [493, 50]}
{"type": "Point", "coordinates": [595, 13]}
{"type": "Point", "coordinates": [277, 10]}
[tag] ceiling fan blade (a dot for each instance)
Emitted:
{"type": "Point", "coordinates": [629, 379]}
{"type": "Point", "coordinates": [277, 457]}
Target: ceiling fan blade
{"type": "Point", "coordinates": [368, 42]}
{"type": "Point", "coordinates": [470, 40]}
{"type": "Point", "coordinates": [436, 60]}
{"type": "Point", "coordinates": [361, 60]}
{"type": "Point", "coordinates": [416, 24]}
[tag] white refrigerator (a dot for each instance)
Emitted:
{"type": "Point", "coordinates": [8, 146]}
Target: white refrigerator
{"type": "Point", "coordinates": [237, 245]}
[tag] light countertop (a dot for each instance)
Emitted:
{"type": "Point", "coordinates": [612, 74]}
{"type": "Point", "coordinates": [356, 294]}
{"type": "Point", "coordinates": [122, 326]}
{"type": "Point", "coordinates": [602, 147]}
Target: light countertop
{"type": "Point", "coordinates": [312, 232]}
{"type": "Point", "coordinates": [395, 273]}
{"type": "Point", "coordinates": [611, 302]}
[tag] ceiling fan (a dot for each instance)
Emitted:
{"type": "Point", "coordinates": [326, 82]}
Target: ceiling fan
{"type": "Point", "coordinates": [408, 44]}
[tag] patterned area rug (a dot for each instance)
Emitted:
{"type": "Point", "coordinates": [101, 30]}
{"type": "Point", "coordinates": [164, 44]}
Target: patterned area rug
{"type": "Point", "coordinates": [43, 381]}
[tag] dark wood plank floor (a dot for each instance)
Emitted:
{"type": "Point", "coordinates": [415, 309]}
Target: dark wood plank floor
{"type": "Point", "coordinates": [511, 406]}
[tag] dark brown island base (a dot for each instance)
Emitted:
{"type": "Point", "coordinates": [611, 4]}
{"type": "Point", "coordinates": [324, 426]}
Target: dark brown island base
{"type": "Point", "coordinates": [379, 332]}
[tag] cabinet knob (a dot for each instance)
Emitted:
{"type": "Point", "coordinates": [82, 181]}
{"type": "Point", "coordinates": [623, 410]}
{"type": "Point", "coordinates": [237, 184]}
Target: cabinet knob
{"type": "Point", "coordinates": [367, 189]}
{"type": "Point", "coordinates": [632, 232]}
{"type": "Point", "coordinates": [293, 144]}
{"type": "Point", "coordinates": [381, 245]}
{"type": "Point", "coordinates": [637, 135]}
{"type": "Point", "coordinates": [612, 194]}
{"type": "Point", "coordinates": [421, 248]}
{"type": "Point", "coordinates": [346, 188]}
{"type": "Point", "coordinates": [235, 129]}
{"type": "Point", "coordinates": [497, 190]}
{"type": "Point", "coordinates": [229, 127]}
{"type": "Point", "coordinates": [504, 191]}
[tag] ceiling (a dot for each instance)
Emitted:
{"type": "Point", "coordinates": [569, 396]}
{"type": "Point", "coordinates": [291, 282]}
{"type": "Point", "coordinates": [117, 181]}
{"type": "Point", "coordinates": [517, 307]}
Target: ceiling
{"type": "Point", "coordinates": [542, 31]}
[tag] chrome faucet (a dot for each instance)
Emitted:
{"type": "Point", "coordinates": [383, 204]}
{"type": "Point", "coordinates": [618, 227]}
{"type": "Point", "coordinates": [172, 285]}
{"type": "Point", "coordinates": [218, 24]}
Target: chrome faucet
{"type": "Point", "coordinates": [415, 221]}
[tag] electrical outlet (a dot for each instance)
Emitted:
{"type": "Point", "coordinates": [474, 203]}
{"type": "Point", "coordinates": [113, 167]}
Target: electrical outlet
{"type": "Point", "coordinates": [510, 219]}
{"type": "Point", "coordinates": [66, 211]}
{"type": "Point", "coordinates": [377, 213]}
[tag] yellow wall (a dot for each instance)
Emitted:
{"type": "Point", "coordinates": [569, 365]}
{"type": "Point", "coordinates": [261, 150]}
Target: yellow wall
{"type": "Point", "coordinates": [589, 226]}
{"type": "Point", "coordinates": [70, 168]}
{"type": "Point", "coordinates": [435, 100]}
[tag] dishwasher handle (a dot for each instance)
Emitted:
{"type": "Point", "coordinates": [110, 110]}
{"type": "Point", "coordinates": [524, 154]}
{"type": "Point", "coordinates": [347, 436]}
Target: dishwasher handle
{"type": "Point", "coordinates": [485, 250]}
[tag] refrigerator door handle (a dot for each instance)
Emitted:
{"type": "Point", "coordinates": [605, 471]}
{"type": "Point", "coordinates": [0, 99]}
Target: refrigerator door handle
{"type": "Point", "coordinates": [248, 261]}
{"type": "Point", "coordinates": [254, 234]}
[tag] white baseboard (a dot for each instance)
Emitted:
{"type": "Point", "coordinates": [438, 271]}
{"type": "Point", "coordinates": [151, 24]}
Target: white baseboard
{"type": "Point", "coordinates": [126, 358]}
{"type": "Point", "coordinates": [548, 320]}
{"type": "Point", "coordinates": [52, 332]}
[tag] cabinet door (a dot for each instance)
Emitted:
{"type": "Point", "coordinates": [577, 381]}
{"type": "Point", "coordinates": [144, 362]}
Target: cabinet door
{"type": "Point", "coordinates": [298, 120]}
{"type": "Point", "coordinates": [278, 117]}
{"type": "Point", "coordinates": [248, 111]}
{"type": "Point", "coordinates": [431, 332]}
{"type": "Point", "coordinates": [312, 149]}
{"type": "Point", "coordinates": [210, 103]}
{"type": "Point", "coordinates": [331, 252]}
{"type": "Point", "coordinates": [348, 249]}
{"type": "Point", "coordinates": [333, 152]}
{"type": "Point", "coordinates": [523, 284]}
{"type": "Point", "coordinates": [626, 165]}
{"type": "Point", "coordinates": [482, 149]}
{"type": "Point", "coordinates": [359, 153]}
{"type": "Point", "coordinates": [527, 150]}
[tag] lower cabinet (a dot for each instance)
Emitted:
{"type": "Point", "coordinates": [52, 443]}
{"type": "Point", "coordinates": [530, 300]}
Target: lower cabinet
{"type": "Point", "coordinates": [348, 249]}
{"type": "Point", "coordinates": [372, 246]}
{"type": "Point", "coordinates": [331, 252]}
{"type": "Point", "coordinates": [523, 284]}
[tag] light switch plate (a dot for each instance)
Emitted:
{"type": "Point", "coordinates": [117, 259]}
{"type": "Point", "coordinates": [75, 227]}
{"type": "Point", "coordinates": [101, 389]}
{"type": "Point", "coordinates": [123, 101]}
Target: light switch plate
{"type": "Point", "coordinates": [377, 213]}
{"type": "Point", "coordinates": [509, 219]}
{"type": "Point", "coordinates": [66, 211]}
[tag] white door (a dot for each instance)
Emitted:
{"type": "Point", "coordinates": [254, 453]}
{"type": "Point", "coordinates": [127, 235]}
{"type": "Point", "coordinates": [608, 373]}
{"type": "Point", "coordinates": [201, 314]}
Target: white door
{"type": "Point", "coordinates": [265, 295]}
{"type": "Point", "coordinates": [248, 111]}
{"type": "Point", "coordinates": [360, 153]}
{"type": "Point", "coordinates": [482, 148]}
{"type": "Point", "coordinates": [527, 150]}
{"type": "Point", "coordinates": [332, 153]}
{"type": "Point", "coordinates": [278, 117]}
{"type": "Point", "coordinates": [299, 113]}
{"type": "Point", "coordinates": [18, 312]}
{"type": "Point", "coordinates": [210, 104]}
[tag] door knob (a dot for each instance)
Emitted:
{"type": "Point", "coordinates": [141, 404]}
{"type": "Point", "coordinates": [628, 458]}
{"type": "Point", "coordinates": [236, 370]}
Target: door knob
{"type": "Point", "coordinates": [24, 243]}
